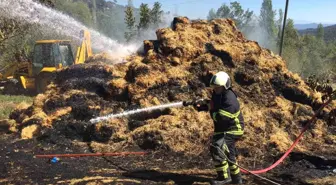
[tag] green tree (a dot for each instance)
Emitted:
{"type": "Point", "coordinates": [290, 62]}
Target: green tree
{"type": "Point", "coordinates": [94, 13]}
{"type": "Point", "coordinates": [156, 15]}
{"type": "Point", "coordinates": [144, 18]}
{"type": "Point", "coordinates": [267, 19]}
{"type": "Point", "coordinates": [224, 12]}
{"type": "Point", "coordinates": [291, 47]}
{"type": "Point", "coordinates": [78, 10]}
{"type": "Point", "coordinates": [212, 14]}
{"type": "Point", "coordinates": [320, 32]}
{"type": "Point", "coordinates": [10, 28]}
{"type": "Point", "coordinates": [279, 26]}
{"type": "Point", "coordinates": [313, 63]}
{"type": "Point", "coordinates": [130, 22]}
{"type": "Point", "coordinates": [235, 11]}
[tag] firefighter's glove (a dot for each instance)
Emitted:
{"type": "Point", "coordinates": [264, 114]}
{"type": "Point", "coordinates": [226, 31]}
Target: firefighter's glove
{"type": "Point", "coordinates": [201, 105]}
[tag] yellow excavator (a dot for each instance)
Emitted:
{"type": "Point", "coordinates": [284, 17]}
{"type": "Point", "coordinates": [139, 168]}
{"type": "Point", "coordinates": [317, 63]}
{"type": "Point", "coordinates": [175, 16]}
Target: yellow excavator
{"type": "Point", "coordinates": [48, 56]}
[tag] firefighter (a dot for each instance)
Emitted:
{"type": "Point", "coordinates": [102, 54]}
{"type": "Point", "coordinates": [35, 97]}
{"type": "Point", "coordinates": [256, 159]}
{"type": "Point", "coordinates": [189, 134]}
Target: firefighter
{"type": "Point", "coordinates": [228, 128]}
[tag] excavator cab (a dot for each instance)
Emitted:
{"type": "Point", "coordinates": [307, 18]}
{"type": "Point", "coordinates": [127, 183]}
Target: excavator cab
{"type": "Point", "coordinates": [48, 56]}
{"type": "Point", "coordinates": [51, 54]}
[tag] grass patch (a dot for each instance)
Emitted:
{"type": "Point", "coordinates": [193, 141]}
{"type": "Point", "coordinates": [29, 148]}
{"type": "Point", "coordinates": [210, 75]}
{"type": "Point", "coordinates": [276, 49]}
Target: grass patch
{"type": "Point", "coordinates": [8, 104]}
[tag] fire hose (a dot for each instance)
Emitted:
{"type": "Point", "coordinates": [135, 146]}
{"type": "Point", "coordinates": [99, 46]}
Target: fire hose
{"type": "Point", "coordinates": [256, 172]}
{"type": "Point", "coordinates": [312, 120]}
{"type": "Point", "coordinates": [242, 168]}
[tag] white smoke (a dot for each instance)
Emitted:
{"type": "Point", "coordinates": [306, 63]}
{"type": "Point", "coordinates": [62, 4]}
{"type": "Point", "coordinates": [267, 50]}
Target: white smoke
{"type": "Point", "coordinates": [257, 33]}
{"type": "Point", "coordinates": [150, 34]}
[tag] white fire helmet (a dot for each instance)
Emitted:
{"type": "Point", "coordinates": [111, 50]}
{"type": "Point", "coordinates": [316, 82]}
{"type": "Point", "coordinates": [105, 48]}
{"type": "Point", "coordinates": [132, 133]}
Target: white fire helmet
{"type": "Point", "coordinates": [221, 79]}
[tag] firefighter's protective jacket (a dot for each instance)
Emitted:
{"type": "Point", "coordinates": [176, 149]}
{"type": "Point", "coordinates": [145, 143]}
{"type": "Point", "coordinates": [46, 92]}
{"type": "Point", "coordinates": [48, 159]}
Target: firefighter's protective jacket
{"type": "Point", "coordinates": [225, 111]}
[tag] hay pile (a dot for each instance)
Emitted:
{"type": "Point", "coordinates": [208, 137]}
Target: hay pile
{"type": "Point", "coordinates": [176, 67]}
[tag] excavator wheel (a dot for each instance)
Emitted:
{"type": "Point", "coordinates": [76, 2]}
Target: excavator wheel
{"type": "Point", "coordinates": [42, 81]}
{"type": "Point", "coordinates": [13, 87]}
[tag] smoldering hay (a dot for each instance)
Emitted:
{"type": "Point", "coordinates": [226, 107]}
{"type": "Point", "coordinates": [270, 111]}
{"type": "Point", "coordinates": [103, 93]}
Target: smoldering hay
{"type": "Point", "coordinates": [177, 66]}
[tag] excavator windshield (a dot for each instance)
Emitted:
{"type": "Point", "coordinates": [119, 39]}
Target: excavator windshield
{"type": "Point", "coordinates": [43, 57]}
{"type": "Point", "coordinates": [51, 55]}
{"type": "Point", "coordinates": [67, 56]}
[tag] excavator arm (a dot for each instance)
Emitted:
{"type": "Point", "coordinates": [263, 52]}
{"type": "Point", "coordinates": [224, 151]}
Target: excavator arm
{"type": "Point", "coordinates": [84, 51]}
{"type": "Point", "coordinates": [12, 77]}
{"type": "Point", "coordinates": [8, 71]}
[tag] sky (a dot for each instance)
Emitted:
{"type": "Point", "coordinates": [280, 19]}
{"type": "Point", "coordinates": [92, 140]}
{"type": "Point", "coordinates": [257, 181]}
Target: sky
{"type": "Point", "coordinates": [301, 11]}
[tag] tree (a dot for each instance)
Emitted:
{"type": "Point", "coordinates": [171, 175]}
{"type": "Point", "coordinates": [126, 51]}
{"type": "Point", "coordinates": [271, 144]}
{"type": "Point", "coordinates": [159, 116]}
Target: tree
{"type": "Point", "coordinates": [156, 15]}
{"type": "Point", "coordinates": [94, 13]}
{"type": "Point", "coordinates": [130, 22]}
{"type": "Point", "coordinates": [212, 14]}
{"type": "Point", "coordinates": [291, 46]}
{"type": "Point", "coordinates": [313, 63]}
{"type": "Point", "coordinates": [144, 17]}
{"type": "Point", "coordinates": [279, 26]}
{"type": "Point", "coordinates": [78, 10]}
{"type": "Point", "coordinates": [224, 11]}
{"type": "Point", "coordinates": [320, 32]}
{"type": "Point", "coordinates": [235, 12]}
{"type": "Point", "coordinates": [267, 22]}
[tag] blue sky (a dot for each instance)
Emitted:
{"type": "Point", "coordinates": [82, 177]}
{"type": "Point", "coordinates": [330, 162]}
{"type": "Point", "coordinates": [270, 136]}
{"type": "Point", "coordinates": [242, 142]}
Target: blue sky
{"type": "Point", "coordinates": [302, 11]}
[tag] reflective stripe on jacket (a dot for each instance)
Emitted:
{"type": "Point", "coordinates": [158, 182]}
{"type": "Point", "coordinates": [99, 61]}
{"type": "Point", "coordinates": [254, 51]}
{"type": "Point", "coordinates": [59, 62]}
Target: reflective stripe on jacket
{"type": "Point", "coordinates": [225, 111]}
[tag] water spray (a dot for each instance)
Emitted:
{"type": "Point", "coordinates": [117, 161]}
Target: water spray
{"type": "Point", "coordinates": [50, 19]}
{"type": "Point", "coordinates": [137, 111]}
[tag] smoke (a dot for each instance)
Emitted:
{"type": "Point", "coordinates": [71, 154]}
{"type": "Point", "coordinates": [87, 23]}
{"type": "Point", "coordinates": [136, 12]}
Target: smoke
{"type": "Point", "coordinates": [150, 34]}
{"type": "Point", "coordinates": [257, 33]}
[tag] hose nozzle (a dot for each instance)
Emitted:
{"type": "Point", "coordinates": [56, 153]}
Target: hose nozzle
{"type": "Point", "coordinates": [187, 103]}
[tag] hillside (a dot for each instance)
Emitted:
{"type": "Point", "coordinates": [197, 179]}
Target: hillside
{"type": "Point", "coordinates": [309, 26]}
{"type": "Point", "coordinates": [329, 33]}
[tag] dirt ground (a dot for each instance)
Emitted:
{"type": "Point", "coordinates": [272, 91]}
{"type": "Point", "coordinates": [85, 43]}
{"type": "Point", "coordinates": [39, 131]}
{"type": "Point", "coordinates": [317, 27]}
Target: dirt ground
{"type": "Point", "coordinates": [21, 167]}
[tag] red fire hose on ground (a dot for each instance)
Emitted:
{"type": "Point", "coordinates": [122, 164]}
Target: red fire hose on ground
{"type": "Point", "coordinates": [91, 154]}
{"type": "Point", "coordinates": [312, 120]}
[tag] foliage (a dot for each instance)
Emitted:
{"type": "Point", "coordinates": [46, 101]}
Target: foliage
{"type": "Point", "coordinates": [156, 15]}
{"type": "Point", "coordinates": [291, 41]}
{"type": "Point", "coordinates": [10, 28]}
{"type": "Point", "coordinates": [279, 24]}
{"type": "Point", "coordinates": [308, 54]}
{"type": "Point", "coordinates": [212, 14]}
{"type": "Point", "coordinates": [329, 33]}
{"type": "Point", "coordinates": [78, 10]}
{"type": "Point", "coordinates": [130, 22]}
{"type": "Point", "coordinates": [15, 44]}
{"type": "Point", "coordinates": [267, 22]}
{"type": "Point", "coordinates": [145, 17]}
{"type": "Point", "coordinates": [235, 11]}
{"type": "Point", "coordinates": [320, 32]}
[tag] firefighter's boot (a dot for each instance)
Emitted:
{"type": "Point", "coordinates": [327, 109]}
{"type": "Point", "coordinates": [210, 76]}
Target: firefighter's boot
{"type": "Point", "coordinates": [236, 179]}
{"type": "Point", "coordinates": [221, 178]}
